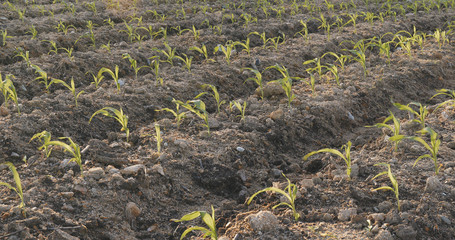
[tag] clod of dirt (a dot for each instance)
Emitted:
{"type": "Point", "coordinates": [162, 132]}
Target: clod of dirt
{"type": "Point", "coordinates": [220, 180]}
{"type": "Point", "coordinates": [263, 221]}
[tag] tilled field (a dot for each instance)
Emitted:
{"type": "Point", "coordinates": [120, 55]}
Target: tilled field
{"type": "Point", "coordinates": [96, 81]}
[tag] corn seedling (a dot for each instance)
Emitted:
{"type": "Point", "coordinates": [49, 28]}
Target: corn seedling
{"type": "Point", "coordinates": [359, 56]}
{"type": "Point", "coordinates": [393, 180]}
{"type": "Point", "coordinates": [215, 95]}
{"type": "Point", "coordinates": [54, 48]}
{"type": "Point", "coordinates": [275, 41]}
{"type": "Point", "coordinates": [262, 36]}
{"type": "Point", "coordinates": [197, 107]}
{"type": "Point", "coordinates": [346, 156]}
{"type": "Point", "coordinates": [62, 28]}
{"type": "Point", "coordinates": [334, 70]}
{"type": "Point", "coordinates": [245, 45]}
{"type": "Point", "coordinates": [227, 50]}
{"type": "Point", "coordinates": [91, 34]}
{"type": "Point", "coordinates": [446, 92]}
{"type": "Point", "coordinates": [169, 53]}
{"type": "Point", "coordinates": [187, 61]}
{"type": "Point", "coordinates": [352, 19]}
{"type": "Point", "coordinates": [257, 79]}
{"type": "Point", "coordinates": [133, 63]}
{"type": "Point", "coordinates": [397, 137]}
{"type": "Point", "coordinates": [312, 83]}
{"type": "Point", "coordinates": [32, 30]}
{"type": "Point", "coordinates": [304, 31]}
{"type": "Point", "coordinates": [248, 19]}
{"type": "Point", "coordinates": [8, 90]}
{"type": "Point", "coordinates": [369, 17]}
{"type": "Point", "coordinates": [18, 188]}
{"type": "Point", "coordinates": [433, 147]}
{"type": "Point", "coordinates": [285, 82]}
{"type": "Point", "coordinates": [202, 50]}
{"type": "Point", "coordinates": [72, 148]}
{"type": "Point", "coordinates": [107, 46]}
{"type": "Point", "coordinates": [44, 138]}
{"type": "Point", "coordinates": [240, 108]}
{"type": "Point", "coordinates": [5, 36]}
{"type": "Point", "coordinates": [290, 192]}
{"type": "Point", "coordinates": [317, 68]}
{"type": "Point", "coordinates": [196, 33]}
{"type": "Point", "coordinates": [177, 113]}
{"type": "Point", "coordinates": [114, 75]}
{"type": "Point", "coordinates": [324, 25]}
{"type": "Point", "coordinates": [208, 219]}
{"type": "Point", "coordinates": [155, 61]}
{"type": "Point", "coordinates": [91, 7]}
{"type": "Point", "coordinates": [130, 31]}
{"type": "Point", "coordinates": [24, 56]}
{"type": "Point", "coordinates": [158, 138]}
{"type": "Point", "coordinates": [42, 76]}
{"type": "Point", "coordinates": [341, 59]}
{"type": "Point", "coordinates": [440, 37]}
{"type": "Point", "coordinates": [70, 87]}
{"type": "Point", "coordinates": [118, 115]}
{"type": "Point", "coordinates": [405, 44]}
{"type": "Point", "coordinates": [420, 116]}
{"type": "Point", "coordinates": [69, 52]}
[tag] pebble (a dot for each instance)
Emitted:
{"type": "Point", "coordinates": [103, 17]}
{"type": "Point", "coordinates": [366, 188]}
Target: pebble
{"type": "Point", "coordinates": [327, 217]}
{"type": "Point", "coordinates": [276, 172]}
{"type": "Point", "coordinates": [392, 217]}
{"type": "Point", "coordinates": [242, 175]}
{"type": "Point", "coordinates": [385, 206]}
{"type": "Point", "coordinates": [271, 89]}
{"type": "Point", "coordinates": [67, 163]}
{"type": "Point", "coordinates": [263, 221]}
{"type": "Point", "coordinates": [158, 168]}
{"type": "Point", "coordinates": [67, 194]}
{"type": "Point", "coordinates": [277, 114]}
{"type": "Point", "coordinates": [132, 170]}
{"type": "Point", "coordinates": [80, 189]}
{"type": "Point", "coordinates": [446, 220]}
{"type": "Point", "coordinates": [307, 183]}
{"type": "Point", "coordinates": [433, 185]}
{"type": "Point", "coordinates": [384, 235]}
{"type": "Point", "coordinates": [240, 149]}
{"type": "Point", "coordinates": [406, 232]}
{"type": "Point", "coordinates": [132, 211]}
{"type": "Point", "coordinates": [451, 145]}
{"type": "Point", "coordinates": [378, 217]}
{"type": "Point", "coordinates": [346, 214]}
{"type": "Point", "coordinates": [96, 173]}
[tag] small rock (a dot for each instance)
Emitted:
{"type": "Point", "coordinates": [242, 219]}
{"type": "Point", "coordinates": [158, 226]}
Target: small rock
{"type": "Point", "coordinates": [406, 232]}
{"type": "Point", "coordinates": [67, 194]}
{"type": "Point", "coordinates": [214, 124]}
{"type": "Point", "coordinates": [378, 217]}
{"type": "Point", "coordinates": [133, 170]}
{"type": "Point", "coordinates": [67, 207]}
{"type": "Point", "coordinates": [240, 149]}
{"type": "Point", "coordinates": [276, 172]}
{"type": "Point", "coordinates": [326, 217]}
{"type": "Point", "coordinates": [251, 123]}
{"type": "Point", "coordinates": [61, 235]}
{"type": "Point", "coordinates": [346, 214]}
{"type": "Point", "coordinates": [451, 145]}
{"type": "Point", "coordinates": [317, 180]}
{"type": "Point", "coordinates": [96, 173]}
{"type": "Point", "coordinates": [433, 185]}
{"type": "Point", "coordinates": [385, 206]}
{"type": "Point", "coordinates": [158, 168]}
{"type": "Point", "coordinates": [271, 89]}
{"type": "Point", "coordinates": [80, 189]}
{"type": "Point", "coordinates": [307, 183]}
{"type": "Point", "coordinates": [67, 163]}
{"type": "Point", "coordinates": [446, 220]}
{"type": "Point", "coordinates": [132, 211]}
{"type": "Point", "coordinates": [392, 217]}
{"type": "Point", "coordinates": [263, 221]}
{"type": "Point", "coordinates": [277, 114]}
{"type": "Point", "coordinates": [4, 111]}
{"type": "Point", "coordinates": [242, 175]}
{"type": "Point", "coordinates": [384, 235]}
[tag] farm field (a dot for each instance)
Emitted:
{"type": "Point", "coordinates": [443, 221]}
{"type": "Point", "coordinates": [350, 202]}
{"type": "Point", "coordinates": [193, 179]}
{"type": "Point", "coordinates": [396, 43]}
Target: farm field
{"type": "Point", "coordinates": [118, 118]}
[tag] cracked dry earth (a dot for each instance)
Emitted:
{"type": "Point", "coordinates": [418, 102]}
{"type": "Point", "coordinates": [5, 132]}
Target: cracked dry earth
{"type": "Point", "coordinates": [132, 191]}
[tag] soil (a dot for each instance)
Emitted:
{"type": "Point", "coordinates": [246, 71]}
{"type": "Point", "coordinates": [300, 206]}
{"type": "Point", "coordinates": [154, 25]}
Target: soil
{"type": "Point", "coordinates": [131, 191]}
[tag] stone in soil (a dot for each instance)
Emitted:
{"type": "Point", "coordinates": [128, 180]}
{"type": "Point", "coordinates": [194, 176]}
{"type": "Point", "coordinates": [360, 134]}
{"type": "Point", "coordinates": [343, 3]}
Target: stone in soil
{"type": "Point", "coordinates": [263, 221]}
{"type": "Point", "coordinates": [433, 185]}
{"type": "Point", "coordinates": [346, 214]}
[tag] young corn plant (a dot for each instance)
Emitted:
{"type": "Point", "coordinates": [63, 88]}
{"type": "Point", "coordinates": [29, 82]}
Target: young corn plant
{"type": "Point", "coordinates": [18, 188]}
{"type": "Point", "coordinates": [324, 25]}
{"type": "Point", "coordinates": [290, 192]}
{"type": "Point", "coordinates": [440, 37]}
{"type": "Point", "coordinates": [155, 66]}
{"type": "Point", "coordinates": [285, 82]}
{"type": "Point", "coordinates": [215, 95]}
{"type": "Point", "coordinates": [9, 91]}
{"type": "Point", "coordinates": [257, 79]}
{"type": "Point", "coordinates": [346, 156]}
{"type": "Point", "coordinates": [72, 148]}
{"type": "Point", "coordinates": [341, 59]}
{"type": "Point", "coordinates": [42, 76]}
{"type": "Point", "coordinates": [265, 40]}
{"type": "Point", "coordinates": [245, 45]}
{"type": "Point", "coordinates": [334, 70]}
{"type": "Point", "coordinates": [179, 116]}
{"type": "Point", "coordinates": [433, 147]}
{"type": "Point", "coordinates": [169, 53]}
{"type": "Point", "coordinates": [44, 138]}
{"type": "Point", "coordinates": [304, 31]}
{"type": "Point", "coordinates": [227, 50]}
{"type": "Point", "coordinates": [397, 137]}
{"type": "Point", "coordinates": [187, 61]}
{"type": "Point", "coordinates": [133, 63]}
{"type": "Point", "coordinates": [392, 179]}
{"type": "Point", "coordinates": [202, 50]}
{"type": "Point", "coordinates": [197, 107]}
{"type": "Point", "coordinates": [420, 115]}
{"type": "Point", "coordinates": [5, 36]}
{"type": "Point", "coordinates": [317, 68]}
{"type": "Point", "coordinates": [32, 30]}
{"type": "Point", "coordinates": [240, 108]}
{"type": "Point", "coordinates": [117, 115]}
{"type": "Point", "coordinates": [196, 33]}
{"type": "Point", "coordinates": [158, 138]}
{"type": "Point", "coordinates": [114, 75]}
{"type": "Point", "coordinates": [446, 92]}
{"type": "Point", "coordinates": [208, 219]}
{"type": "Point", "coordinates": [70, 87]}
